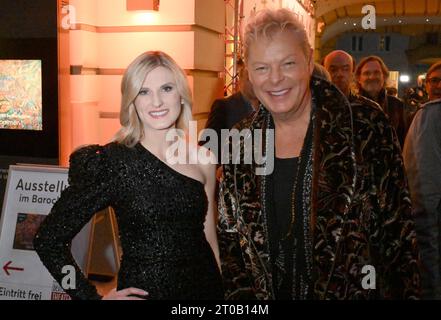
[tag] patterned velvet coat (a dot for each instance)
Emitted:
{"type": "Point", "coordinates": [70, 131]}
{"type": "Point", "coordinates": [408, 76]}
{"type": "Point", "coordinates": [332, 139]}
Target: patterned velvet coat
{"type": "Point", "coordinates": [359, 208]}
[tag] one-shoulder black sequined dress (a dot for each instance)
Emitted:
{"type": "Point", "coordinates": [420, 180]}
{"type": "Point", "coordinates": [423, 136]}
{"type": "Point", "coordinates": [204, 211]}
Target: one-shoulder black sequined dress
{"type": "Point", "coordinates": [160, 215]}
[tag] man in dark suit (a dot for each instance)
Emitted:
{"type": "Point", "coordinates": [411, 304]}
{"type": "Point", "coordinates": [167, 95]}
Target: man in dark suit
{"type": "Point", "coordinates": [226, 112]}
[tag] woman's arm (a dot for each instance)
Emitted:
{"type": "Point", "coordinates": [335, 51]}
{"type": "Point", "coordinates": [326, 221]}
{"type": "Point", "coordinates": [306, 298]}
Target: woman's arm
{"type": "Point", "coordinates": [212, 216]}
{"type": "Point", "coordinates": [75, 207]}
{"type": "Point", "coordinates": [89, 192]}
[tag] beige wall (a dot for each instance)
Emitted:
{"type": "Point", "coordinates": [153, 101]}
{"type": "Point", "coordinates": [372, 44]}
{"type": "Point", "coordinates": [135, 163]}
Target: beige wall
{"type": "Point", "coordinates": [64, 109]}
{"type": "Point", "coordinates": [107, 37]}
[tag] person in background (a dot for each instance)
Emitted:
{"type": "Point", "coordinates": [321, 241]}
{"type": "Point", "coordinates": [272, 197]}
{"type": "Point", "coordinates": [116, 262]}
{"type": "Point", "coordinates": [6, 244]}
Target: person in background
{"type": "Point", "coordinates": [321, 72]}
{"type": "Point", "coordinates": [371, 76]}
{"type": "Point", "coordinates": [392, 91]}
{"type": "Point", "coordinates": [331, 197]}
{"type": "Point", "coordinates": [165, 210]}
{"type": "Point", "coordinates": [433, 81]}
{"type": "Point", "coordinates": [414, 98]}
{"type": "Point", "coordinates": [226, 112]}
{"type": "Point", "coordinates": [340, 66]}
{"type": "Point", "coordinates": [422, 158]}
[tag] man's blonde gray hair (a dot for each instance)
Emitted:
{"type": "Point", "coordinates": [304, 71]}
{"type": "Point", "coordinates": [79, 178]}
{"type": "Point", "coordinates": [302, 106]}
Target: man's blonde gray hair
{"type": "Point", "coordinates": [267, 23]}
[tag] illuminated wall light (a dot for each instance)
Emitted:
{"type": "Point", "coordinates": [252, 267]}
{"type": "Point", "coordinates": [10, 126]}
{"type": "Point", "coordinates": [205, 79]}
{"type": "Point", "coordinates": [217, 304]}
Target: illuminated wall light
{"type": "Point", "coordinates": [146, 18]}
{"type": "Point", "coordinates": [404, 78]}
{"type": "Point", "coordinates": [142, 5]}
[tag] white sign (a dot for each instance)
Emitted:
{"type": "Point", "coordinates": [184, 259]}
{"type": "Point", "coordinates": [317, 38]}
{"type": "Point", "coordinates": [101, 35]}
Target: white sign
{"type": "Point", "coordinates": [30, 194]}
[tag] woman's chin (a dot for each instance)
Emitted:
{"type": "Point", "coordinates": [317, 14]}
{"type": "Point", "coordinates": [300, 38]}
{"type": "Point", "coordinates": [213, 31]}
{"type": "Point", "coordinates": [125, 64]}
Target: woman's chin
{"type": "Point", "coordinates": [162, 126]}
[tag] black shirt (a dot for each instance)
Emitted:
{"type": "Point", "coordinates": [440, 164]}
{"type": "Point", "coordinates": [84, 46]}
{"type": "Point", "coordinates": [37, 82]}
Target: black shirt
{"type": "Point", "coordinates": [282, 248]}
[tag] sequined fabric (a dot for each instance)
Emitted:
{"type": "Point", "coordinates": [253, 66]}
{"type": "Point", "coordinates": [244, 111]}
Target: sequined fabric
{"type": "Point", "coordinates": [160, 215]}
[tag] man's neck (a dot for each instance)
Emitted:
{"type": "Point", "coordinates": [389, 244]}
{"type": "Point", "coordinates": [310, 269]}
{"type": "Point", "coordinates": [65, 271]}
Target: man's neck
{"type": "Point", "coordinates": [374, 96]}
{"type": "Point", "coordinates": [289, 120]}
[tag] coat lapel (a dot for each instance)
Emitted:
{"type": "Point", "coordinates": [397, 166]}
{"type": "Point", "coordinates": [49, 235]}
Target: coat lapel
{"type": "Point", "coordinates": [251, 222]}
{"type": "Point", "coordinates": [334, 174]}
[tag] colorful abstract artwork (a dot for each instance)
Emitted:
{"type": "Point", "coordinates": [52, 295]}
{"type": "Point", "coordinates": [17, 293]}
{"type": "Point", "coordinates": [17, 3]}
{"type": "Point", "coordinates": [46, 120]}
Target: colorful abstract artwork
{"type": "Point", "coordinates": [21, 95]}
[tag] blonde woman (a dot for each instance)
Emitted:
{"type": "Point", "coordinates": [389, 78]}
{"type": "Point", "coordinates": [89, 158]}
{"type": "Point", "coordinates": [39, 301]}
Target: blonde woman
{"type": "Point", "coordinates": [164, 210]}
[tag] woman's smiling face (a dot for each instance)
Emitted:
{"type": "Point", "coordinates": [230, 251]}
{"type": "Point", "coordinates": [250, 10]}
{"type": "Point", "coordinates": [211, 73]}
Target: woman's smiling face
{"type": "Point", "coordinates": [158, 102]}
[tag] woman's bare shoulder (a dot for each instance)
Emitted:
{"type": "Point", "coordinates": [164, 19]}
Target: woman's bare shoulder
{"type": "Point", "coordinates": [204, 159]}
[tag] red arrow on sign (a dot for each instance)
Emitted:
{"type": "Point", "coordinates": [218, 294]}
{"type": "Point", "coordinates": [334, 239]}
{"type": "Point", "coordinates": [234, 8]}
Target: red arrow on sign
{"type": "Point", "coordinates": [6, 267]}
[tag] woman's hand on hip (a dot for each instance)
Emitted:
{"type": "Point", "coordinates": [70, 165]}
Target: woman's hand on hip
{"type": "Point", "coordinates": [126, 294]}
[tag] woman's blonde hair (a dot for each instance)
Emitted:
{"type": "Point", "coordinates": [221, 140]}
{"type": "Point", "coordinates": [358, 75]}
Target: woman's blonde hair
{"type": "Point", "coordinates": [132, 130]}
{"type": "Point", "coordinates": [266, 23]}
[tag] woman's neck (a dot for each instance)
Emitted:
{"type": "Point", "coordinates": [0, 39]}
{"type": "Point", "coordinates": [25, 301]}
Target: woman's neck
{"type": "Point", "coordinates": [155, 141]}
